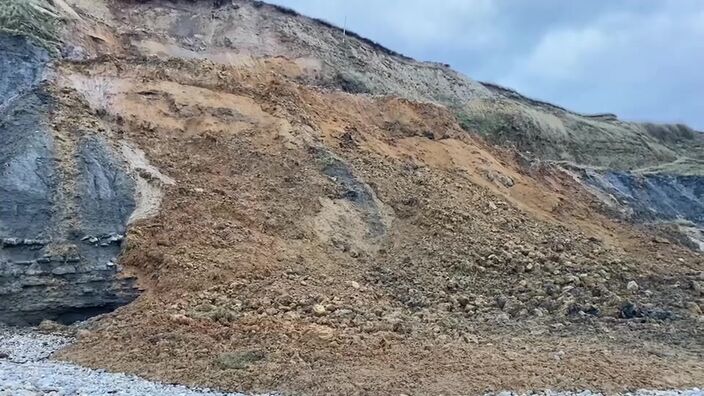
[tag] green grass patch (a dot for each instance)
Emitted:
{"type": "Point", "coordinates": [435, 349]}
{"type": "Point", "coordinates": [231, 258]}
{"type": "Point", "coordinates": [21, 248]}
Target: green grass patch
{"type": "Point", "coordinates": [35, 19]}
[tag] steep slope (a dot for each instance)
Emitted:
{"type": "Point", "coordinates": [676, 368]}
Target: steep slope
{"type": "Point", "coordinates": [314, 235]}
{"type": "Point", "coordinates": [553, 133]}
{"type": "Point", "coordinates": [331, 58]}
{"type": "Point", "coordinates": [305, 239]}
{"type": "Point", "coordinates": [649, 173]}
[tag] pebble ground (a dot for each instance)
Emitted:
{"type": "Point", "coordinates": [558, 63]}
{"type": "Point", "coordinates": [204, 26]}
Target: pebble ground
{"type": "Point", "coordinates": [25, 370]}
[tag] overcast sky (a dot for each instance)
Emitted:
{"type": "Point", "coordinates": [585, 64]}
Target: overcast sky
{"type": "Point", "coordinates": [640, 59]}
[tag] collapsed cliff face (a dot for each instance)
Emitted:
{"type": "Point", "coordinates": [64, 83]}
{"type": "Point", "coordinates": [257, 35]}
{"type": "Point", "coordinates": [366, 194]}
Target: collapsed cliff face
{"type": "Point", "coordinates": [307, 212]}
{"type": "Point", "coordinates": [64, 204]}
{"type": "Point", "coordinates": [315, 235]}
{"type": "Point", "coordinates": [652, 172]}
{"type": "Point", "coordinates": [328, 57]}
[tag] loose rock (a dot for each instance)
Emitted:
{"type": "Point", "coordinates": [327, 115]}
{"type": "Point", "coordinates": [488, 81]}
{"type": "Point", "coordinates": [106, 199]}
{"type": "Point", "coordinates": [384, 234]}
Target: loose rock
{"type": "Point", "coordinates": [632, 286]}
{"type": "Point", "coordinates": [694, 309]}
{"type": "Point", "coordinates": [319, 310]}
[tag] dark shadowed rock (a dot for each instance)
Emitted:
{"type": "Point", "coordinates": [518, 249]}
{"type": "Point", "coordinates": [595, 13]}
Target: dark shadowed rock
{"type": "Point", "coordinates": [46, 271]}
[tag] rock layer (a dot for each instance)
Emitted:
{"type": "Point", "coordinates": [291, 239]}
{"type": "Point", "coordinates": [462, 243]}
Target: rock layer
{"type": "Point", "coordinates": [62, 217]}
{"type": "Point", "coordinates": [653, 197]}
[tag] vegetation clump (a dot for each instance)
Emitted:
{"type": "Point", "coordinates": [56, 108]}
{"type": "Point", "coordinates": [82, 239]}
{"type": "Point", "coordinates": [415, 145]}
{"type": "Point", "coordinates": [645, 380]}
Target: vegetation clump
{"type": "Point", "coordinates": [35, 19]}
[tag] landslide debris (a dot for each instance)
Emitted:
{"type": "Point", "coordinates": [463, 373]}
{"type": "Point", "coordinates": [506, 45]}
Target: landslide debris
{"type": "Point", "coordinates": [330, 57]}
{"type": "Point", "coordinates": [318, 241]}
{"type": "Point", "coordinates": [321, 242]}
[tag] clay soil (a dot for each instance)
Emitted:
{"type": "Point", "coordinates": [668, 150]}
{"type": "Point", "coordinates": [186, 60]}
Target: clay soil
{"type": "Point", "coordinates": [318, 242]}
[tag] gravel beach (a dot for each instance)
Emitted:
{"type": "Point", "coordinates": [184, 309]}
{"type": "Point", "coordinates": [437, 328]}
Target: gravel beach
{"type": "Point", "coordinates": [26, 370]}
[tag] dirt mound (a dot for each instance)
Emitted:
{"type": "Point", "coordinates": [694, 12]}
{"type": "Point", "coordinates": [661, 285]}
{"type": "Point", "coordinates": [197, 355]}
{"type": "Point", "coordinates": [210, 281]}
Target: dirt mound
{"type": "Point", "coordinates": [314, 241]}
{"type": "Point", "coordinates": [322, 242]}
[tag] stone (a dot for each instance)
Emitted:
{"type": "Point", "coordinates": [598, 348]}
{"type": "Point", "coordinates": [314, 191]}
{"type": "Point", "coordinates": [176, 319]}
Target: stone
{"type": "Point", "coordinates": [503, 317]}
{"type": "Point", "coordinates": [512, 306]}
{"type": "Point", "coordinates": [49, 326]}
{"type": "Point", "coordinates": [11, 242]}
{"type": "Point", "coordinates": [319, 310]}
{"type": "Point", "coordinates": [181, 319]}
{"type": "Point", "coordinates": [501, 301]}
{"type": "Point", "coordinates": [630, 311]}
{"type": "Point", "coordinates": [64, 270]}
{"type": "Point", "coordinates": [462, 301]}
{"type": "Point", "coordinates": [694, 309]}
{"type": "Point", "coordinates": [4, 355]}
{"type": "Point", "coordinates": [632, 286]}
{"type": "Point", "coordinates": [539, 312]}
{"type": "Point", "coordinates": [271, 311]}
{"type": "Point", "coordinates": [355, 285]}
{"type": "Point", "coordinates": [292, 315]}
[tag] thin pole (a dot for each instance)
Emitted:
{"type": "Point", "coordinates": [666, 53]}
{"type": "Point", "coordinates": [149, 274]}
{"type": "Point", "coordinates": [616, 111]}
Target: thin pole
{"type": "Point", "coordinates": [344, 30]}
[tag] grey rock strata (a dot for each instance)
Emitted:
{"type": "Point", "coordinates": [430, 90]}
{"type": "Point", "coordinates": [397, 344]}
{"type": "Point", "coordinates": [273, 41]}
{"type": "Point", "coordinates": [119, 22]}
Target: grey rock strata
{"type": "Point", "coordinates": [47, 268]}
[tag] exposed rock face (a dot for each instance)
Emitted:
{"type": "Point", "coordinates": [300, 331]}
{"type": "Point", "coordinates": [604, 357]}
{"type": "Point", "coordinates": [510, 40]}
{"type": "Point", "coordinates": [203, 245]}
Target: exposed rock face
{"type": "Point", "coordinates": [62, 219]}
{"type": "Point", "coordinates": [654, 197]}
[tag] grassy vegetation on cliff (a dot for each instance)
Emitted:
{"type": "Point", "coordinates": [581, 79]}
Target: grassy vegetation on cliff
{"type": "Point", "coordinates": [549, 132]}
{"type": "Point", "coordinates": [35, 19]}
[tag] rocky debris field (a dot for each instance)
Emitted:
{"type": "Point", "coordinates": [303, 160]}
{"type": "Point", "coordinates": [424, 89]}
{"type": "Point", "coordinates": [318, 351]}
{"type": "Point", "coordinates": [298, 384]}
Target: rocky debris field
{"type": "Point", "coordinates": [344, 244]}
{"type": "Point", "coordinates": [642, 392]}
{"type": "Point", "coordinates": [288, 235]}
{"type": "Point", "coordinates": [25, 370]}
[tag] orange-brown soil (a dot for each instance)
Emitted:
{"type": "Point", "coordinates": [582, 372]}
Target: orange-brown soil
{"type": "Point", "coordinates": [317, 242]}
